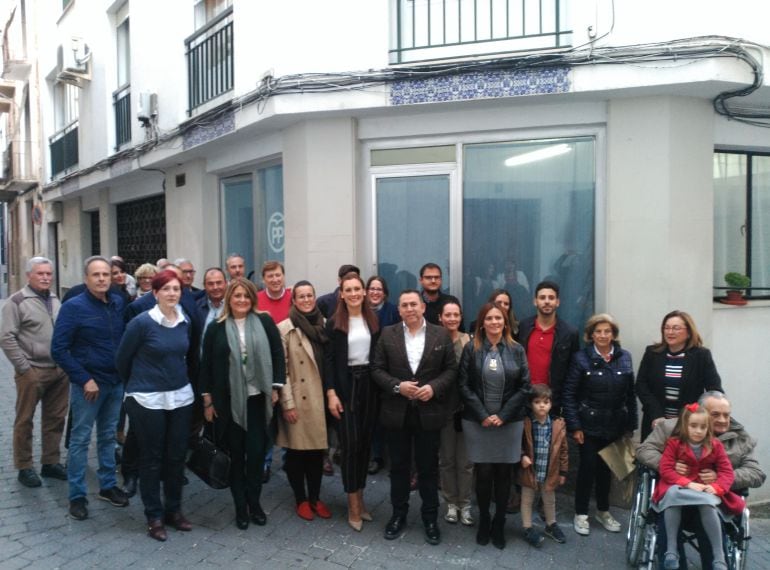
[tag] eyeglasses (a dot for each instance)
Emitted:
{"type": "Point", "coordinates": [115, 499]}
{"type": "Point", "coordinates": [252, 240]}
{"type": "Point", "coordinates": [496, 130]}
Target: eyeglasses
{"type": "Point", "coordinates": [674, 328]}
{"type": "Point", "coordinates": [145, 279]}
{"type": "Point", "coordinates": [432, 277]}
{"type": "Point", "coordinates": [189, 271]}
{"type": "Point", "coordinates": [376, 289]}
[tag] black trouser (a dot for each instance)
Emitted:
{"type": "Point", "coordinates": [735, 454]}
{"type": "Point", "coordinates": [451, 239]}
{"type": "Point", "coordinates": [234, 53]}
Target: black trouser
{"type": "Point", "coordinates": [355, 429]}
{"type": "Point", "coordinates": [129, 463]}
{"type": "Point", "coordinates": [161, 437]}
{"type": "Point", "coordinates": [592, 469]}
{"type": "Point", "coordinates": [426, 444]}
{"type": "Point", "coordinates": [305, 465]}
{"type": "Point", "coordinates": [247, 454]}
{"type": "Point", "coordinates": [492, 480]}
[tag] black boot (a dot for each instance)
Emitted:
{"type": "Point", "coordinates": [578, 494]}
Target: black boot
{"type": "Point", "coordinates": [482, 535]}
{"type": "Point", "coordinates": [498, 531]}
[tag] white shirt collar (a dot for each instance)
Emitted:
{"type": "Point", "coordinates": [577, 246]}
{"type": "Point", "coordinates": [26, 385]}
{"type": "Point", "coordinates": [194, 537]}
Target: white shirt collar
{"type": "Point", "coordinates": [422, 328]}
{"type": "Point", "coordinates": [157, 316]}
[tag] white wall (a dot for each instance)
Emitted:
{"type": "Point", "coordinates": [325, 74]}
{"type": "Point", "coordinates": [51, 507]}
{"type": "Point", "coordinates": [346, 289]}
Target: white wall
{"type": "Point", "coordinates": [739, 347]}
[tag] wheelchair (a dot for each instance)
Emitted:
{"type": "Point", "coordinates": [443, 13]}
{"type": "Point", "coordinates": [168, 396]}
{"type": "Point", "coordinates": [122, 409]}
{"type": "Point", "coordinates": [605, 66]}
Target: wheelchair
{"type": "Point", "coordinates": [642, 534]}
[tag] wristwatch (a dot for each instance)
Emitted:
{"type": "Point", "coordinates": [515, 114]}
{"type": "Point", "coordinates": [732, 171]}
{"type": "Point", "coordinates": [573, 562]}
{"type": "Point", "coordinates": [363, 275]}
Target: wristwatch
{"type": "Point", "coordinates": [397, 388]}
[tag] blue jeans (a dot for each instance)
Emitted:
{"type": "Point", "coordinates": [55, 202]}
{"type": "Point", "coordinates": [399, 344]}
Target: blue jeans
{"type": "Point", "coordinates": [104, 411]}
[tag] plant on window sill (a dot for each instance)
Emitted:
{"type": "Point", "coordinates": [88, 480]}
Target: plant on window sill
{"type": "Point", "coordinates": [740, 282]}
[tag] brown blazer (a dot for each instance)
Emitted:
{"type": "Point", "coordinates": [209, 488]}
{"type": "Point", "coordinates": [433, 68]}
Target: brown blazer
{"type": "Point", "coordinates": [303, 391]}
{"type": "Point", "coordinates": [438, 368]}
{"type": "Point", "coordinates": [558, 461]}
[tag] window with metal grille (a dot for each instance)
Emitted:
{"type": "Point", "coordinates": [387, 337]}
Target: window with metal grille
{"type": "Point", "coordinates": [142, 231]}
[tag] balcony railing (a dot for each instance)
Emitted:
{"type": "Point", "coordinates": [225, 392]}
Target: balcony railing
{"type": "Point", "coordinates": [122, 104]}
{"type": "Point", "coordinates": [441, 29]}
{"type": "Point", "coordinates": [64, 148]}
{"type": "Point", "coordinates": [18, 165]}
{"type": "Point", "coordinates": [210, 60]}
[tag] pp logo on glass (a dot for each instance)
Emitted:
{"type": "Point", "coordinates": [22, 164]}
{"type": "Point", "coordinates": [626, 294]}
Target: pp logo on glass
{"type": "Point", "coordinates": [275, 232]}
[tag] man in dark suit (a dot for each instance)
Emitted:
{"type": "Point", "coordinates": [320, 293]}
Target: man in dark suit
{"type": "Point", "coordinates": [415, 367]}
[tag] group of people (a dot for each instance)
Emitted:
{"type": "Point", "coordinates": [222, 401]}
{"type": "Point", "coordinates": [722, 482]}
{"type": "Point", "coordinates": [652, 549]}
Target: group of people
{"type": "Point", "coordinates": [282, 366]}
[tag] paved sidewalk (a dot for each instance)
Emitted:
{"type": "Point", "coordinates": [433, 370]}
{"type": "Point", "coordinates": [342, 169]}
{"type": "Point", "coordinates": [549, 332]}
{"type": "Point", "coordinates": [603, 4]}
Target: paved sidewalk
{"type": "Point", "coordinates": [35, 531]}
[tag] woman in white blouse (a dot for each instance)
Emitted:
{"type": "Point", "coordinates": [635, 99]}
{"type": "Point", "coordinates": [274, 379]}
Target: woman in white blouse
{"type": "Point", "coordinates": [352, 399]}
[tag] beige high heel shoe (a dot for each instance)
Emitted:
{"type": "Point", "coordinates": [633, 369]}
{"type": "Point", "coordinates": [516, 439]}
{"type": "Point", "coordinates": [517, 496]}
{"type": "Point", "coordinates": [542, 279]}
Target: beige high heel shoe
{"type": "Point", "coordinates": [365, 515]}
{"type": "Point", "coordinates": [354, 512]}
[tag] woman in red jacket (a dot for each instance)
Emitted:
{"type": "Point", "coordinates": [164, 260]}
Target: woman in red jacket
{"type": "Point", "coordinates": [693, 443]}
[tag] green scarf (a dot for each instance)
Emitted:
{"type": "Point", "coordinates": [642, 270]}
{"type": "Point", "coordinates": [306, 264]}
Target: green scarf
{"type": "Point", "coordinates": [256, 370]}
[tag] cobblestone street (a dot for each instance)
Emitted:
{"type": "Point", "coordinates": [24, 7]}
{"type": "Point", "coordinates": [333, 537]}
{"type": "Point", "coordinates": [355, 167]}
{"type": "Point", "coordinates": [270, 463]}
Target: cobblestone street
{"type": "Point", "coordinates": [35, 531]}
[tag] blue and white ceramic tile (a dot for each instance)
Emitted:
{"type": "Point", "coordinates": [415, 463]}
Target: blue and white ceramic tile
{"type": "Point", "coordinates": [205, 133]}
{"type": "Point", "coordinates": [481, 85]}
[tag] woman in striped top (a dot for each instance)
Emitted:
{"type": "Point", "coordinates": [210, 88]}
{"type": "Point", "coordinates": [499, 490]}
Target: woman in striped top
{"type": "Point", "coordinates": [674, 371]}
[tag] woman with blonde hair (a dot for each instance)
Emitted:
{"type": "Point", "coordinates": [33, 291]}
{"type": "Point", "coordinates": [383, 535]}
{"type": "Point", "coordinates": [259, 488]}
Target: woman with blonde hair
{"type": "Point", "coordinates": [242, 371]}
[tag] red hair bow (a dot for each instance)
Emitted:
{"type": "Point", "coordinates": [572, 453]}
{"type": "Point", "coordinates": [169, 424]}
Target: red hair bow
{"type": "Point", "coordinates": [692, 408]}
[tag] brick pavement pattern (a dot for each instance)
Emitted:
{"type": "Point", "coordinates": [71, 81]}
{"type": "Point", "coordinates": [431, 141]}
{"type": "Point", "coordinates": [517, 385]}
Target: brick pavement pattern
{"type": "Point", "coordinates": [36, 532]}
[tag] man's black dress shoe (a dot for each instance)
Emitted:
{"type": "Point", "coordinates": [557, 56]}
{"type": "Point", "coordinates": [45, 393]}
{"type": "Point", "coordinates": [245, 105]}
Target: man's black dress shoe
{"type": "Point", "coordinates": [258, 516]}
{"type": "Point", "coordinates": [78, 509]}
{"type": "Point", "coordinates": [29, 478]}
{"type": "Point", "coordinates": [432, 533]}
{"type": "Point", "coordinates": [394, 527]}
{"type": "Point", "coordinates": [54, 471]}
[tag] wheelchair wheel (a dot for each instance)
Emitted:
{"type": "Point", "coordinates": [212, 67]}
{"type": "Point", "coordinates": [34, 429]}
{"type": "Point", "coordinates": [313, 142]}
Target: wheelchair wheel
{"type": "Point", "coordinates": [648, 556]}
{"type": "Point", "coordinates": [638, 518]}
{"type": "Point", "coordinates": [737, 546]}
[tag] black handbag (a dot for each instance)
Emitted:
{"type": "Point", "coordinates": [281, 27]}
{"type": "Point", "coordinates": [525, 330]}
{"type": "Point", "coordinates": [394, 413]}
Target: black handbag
{"type": "Point", "coordinates": [209, 462]}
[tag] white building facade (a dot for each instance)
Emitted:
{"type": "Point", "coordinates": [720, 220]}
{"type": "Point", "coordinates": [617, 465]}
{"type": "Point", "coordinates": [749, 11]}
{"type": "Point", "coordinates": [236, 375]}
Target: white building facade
{"type": "Point", "coordinates": [594, 143]}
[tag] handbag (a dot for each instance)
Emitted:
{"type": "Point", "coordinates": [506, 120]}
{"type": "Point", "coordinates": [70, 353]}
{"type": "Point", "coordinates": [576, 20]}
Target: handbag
{"type": "Point", "coordinates": [209, 462]}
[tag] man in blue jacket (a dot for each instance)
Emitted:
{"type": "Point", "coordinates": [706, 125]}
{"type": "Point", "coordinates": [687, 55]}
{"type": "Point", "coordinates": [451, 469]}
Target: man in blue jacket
{"type": "Point", "coordinates": [85, 339]}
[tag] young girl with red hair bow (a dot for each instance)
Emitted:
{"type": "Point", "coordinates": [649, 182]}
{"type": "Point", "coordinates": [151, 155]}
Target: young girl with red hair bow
{"type": "Point", "coordinates": [693, 444]}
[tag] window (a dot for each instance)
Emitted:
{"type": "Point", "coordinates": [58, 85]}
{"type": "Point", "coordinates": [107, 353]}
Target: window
{"type": "Point", "coordinates": [65, 104]}
{"type": "Point", "coordinates": [123, 53]}
{"type": "Point", "coordinates": [121, 98]}
{"type": "Point", "coordinates": [523, 212]}
{"type": "Point", "coordinates": [252, 217]}
{"type": "Point", "coordinates": [742, 219]}
{"type": "Point", "coordinates": [207, 10]}
{"type": "Point", "coordinates": [528, 216]}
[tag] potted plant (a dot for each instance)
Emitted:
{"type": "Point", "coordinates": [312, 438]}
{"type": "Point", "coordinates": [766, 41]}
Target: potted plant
{"type": "Point", "coordinates": [740, 282]}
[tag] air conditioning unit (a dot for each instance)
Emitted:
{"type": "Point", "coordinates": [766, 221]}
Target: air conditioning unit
{"type": "Point", "coordinates": [148, 106]}
{"type": "Point", "coordinates": [74, 62]}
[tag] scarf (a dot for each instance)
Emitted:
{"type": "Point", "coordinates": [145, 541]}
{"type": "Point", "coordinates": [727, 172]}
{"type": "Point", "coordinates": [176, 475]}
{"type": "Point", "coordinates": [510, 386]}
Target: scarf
{"type": "Point", "coordinates": [255, 370]}
{"type": "Point", "coordinates": [312, 325]}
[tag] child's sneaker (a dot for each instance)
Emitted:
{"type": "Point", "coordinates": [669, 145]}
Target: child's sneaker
{"type": "Point", "coordinates": [554, 532]}
{"type": "Point", "coordinates": [533, 537]}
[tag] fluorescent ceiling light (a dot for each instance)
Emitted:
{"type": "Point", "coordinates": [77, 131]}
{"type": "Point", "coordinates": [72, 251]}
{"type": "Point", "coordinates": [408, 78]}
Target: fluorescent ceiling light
{"type": "Point", "coordinates": [540, 154]}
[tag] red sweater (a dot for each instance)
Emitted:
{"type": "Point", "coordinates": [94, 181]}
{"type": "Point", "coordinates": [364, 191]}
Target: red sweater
{"type": "Point", "coordinates": [716, 460]}
{"type": "Point", "coordinates": [278, 308]}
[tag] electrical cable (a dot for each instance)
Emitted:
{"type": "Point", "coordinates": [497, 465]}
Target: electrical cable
{"type": "Point", "coordinates": [680, 51]}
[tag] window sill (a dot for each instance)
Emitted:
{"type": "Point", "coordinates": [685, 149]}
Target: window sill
{"type": "Point", "coordinates": [750, 305]}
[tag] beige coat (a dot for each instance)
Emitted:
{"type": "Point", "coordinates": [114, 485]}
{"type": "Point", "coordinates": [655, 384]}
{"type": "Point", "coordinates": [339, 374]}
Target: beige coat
{"type": "Point", "coordinates": [303, 391]}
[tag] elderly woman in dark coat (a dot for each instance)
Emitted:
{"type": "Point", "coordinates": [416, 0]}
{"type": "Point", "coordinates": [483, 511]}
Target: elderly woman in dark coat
{"type": "Point", "coordinates": [599, 406]}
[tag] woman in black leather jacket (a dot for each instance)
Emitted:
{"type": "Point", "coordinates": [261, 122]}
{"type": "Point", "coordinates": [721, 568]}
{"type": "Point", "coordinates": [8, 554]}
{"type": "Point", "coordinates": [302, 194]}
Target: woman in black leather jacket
{"type": "Point", "coordinates": [599, 407]}
{"type": "Point", "coordinates": [494, 387]}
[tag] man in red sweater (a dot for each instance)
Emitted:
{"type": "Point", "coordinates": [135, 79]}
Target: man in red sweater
{"type": "Point", "coordinates": [275, 298]}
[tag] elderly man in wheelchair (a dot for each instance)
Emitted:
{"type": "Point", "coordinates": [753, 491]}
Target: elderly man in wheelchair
{"type": "Point", "coordinates": [646, 535]}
